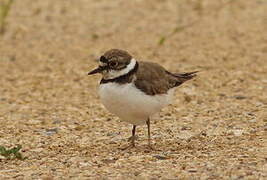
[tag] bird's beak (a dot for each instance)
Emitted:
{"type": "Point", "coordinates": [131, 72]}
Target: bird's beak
{"type": "Point", "coordinates": [100, 69]}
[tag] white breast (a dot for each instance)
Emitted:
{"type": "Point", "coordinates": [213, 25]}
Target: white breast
{"type": "Point", "coordinates": [130, 104]}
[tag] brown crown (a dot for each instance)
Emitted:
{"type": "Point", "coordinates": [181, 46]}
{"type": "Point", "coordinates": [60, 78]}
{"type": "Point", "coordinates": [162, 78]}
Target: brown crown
{"type": "Point", "coordinates": [117, 54]}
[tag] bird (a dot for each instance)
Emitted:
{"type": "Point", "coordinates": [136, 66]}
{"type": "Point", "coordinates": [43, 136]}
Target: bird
{"type": "Point", "coordinates": [134, 90]}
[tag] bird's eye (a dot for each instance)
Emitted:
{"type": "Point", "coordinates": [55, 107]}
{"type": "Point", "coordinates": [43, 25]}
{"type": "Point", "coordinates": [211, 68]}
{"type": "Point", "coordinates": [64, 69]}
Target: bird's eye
{"type": "Point", "coordinates": [103, 59]}
{"type": "Point", "coordinates": [113, 64]}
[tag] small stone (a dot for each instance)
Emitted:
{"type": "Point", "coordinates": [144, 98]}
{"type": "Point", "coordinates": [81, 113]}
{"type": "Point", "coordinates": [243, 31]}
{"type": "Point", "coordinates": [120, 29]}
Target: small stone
{"type": "Point", "coordinates": [160, 157]}
{"type": "Point", "coordinates": [187, 98]}
{"type": "Point", "coordinates": [184, 128]}
{"type": "Point", "coordinates": [222, 94]}
{"type": "Point", "coordinates": [109, 161]}
{"type": "Point", "coordinates": [2, 157]}
{"type": "Point", "coordinates": [56, 122]}
{"type": "Point", "coordinates": [79, 128]}
{"type": "Point", "coordinates": [238, 132]}
{"type": "Point", "coordinates": [47, 178]}
{"type": "Point", "coordinates": [50, 132]}
{"type": "Point", "coordinates": [192, 170]}
{"type": "Point", "coordinates": [113, 134]}
{"type": "Point", "coordinates": [239, 97]}
{"type": "Point", "coordinates": [251, 114]}
{"type": "Point", "coordinates": [136, 173]}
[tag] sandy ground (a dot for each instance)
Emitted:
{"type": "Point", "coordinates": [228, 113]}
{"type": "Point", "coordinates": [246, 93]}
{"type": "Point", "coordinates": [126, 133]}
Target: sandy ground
{"type": "Point", "coordinates": [215, 129]}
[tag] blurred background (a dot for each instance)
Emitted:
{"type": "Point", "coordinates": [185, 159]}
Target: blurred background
{"type": "Point", "coordinates": [216, 127]}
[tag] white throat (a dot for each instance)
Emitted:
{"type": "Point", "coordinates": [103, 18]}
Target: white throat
{"type": "Point", "coordinates": [115, 73]}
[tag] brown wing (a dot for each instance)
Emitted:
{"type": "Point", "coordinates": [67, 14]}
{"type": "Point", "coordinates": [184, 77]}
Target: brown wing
{"type": "Point", "coordinates": [153, 79]}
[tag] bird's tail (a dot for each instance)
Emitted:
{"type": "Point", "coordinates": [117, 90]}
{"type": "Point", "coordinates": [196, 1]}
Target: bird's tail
{"type": "Point", "coordinates": [182, 77]}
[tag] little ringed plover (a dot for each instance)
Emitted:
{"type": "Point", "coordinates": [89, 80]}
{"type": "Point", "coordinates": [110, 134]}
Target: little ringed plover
{"type": "Point", "coordinates": [134, 90]}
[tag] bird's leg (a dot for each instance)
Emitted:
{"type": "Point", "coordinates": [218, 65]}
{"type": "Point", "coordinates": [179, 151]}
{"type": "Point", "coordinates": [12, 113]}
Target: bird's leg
{"type": "Point", "coordinates": [132, 139]}
{"type": "Point", "coordinates": [148, 131]}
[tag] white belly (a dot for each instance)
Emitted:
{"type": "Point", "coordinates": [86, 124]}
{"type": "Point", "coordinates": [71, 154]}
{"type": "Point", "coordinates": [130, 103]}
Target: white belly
{"type": "Point", "coordinates": [130, 104]}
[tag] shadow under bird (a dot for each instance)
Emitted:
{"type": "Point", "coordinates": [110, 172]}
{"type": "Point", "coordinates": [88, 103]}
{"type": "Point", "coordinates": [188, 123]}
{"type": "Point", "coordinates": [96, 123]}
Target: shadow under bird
{"type": "Point", "coordinates": [135, 90]}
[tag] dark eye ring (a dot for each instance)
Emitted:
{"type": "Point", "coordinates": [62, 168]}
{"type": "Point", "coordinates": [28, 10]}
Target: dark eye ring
{"type": "Point", "coordinates": [113, 64]}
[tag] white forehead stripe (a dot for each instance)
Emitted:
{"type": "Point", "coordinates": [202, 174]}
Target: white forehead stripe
{"type": "Point", "coordinates": [102, 64]}
{"type": "Point", "coordinates": [116, 73]}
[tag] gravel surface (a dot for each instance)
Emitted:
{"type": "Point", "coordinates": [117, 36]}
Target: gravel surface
{"type": "Point", "coordinates": [216, 127]}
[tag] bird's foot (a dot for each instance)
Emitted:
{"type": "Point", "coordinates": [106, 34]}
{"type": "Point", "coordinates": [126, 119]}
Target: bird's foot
{"type": "Point", "coordinates": [149, 145]}
{"type": "Point", "coordinates": [128, 147]}
{"type": "Point", "coordinates": [151, 148]}
{"type": "Point", "coordinates": [132, 138]}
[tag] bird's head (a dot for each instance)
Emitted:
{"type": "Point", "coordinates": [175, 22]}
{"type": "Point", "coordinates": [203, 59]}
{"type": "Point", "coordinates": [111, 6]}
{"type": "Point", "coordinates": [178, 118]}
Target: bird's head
{"type": "Point", "coordinates": [114, 63]}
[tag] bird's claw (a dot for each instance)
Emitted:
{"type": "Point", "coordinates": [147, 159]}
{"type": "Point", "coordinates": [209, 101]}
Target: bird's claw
{"type": "Point", "coordinates": [132, 138]}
